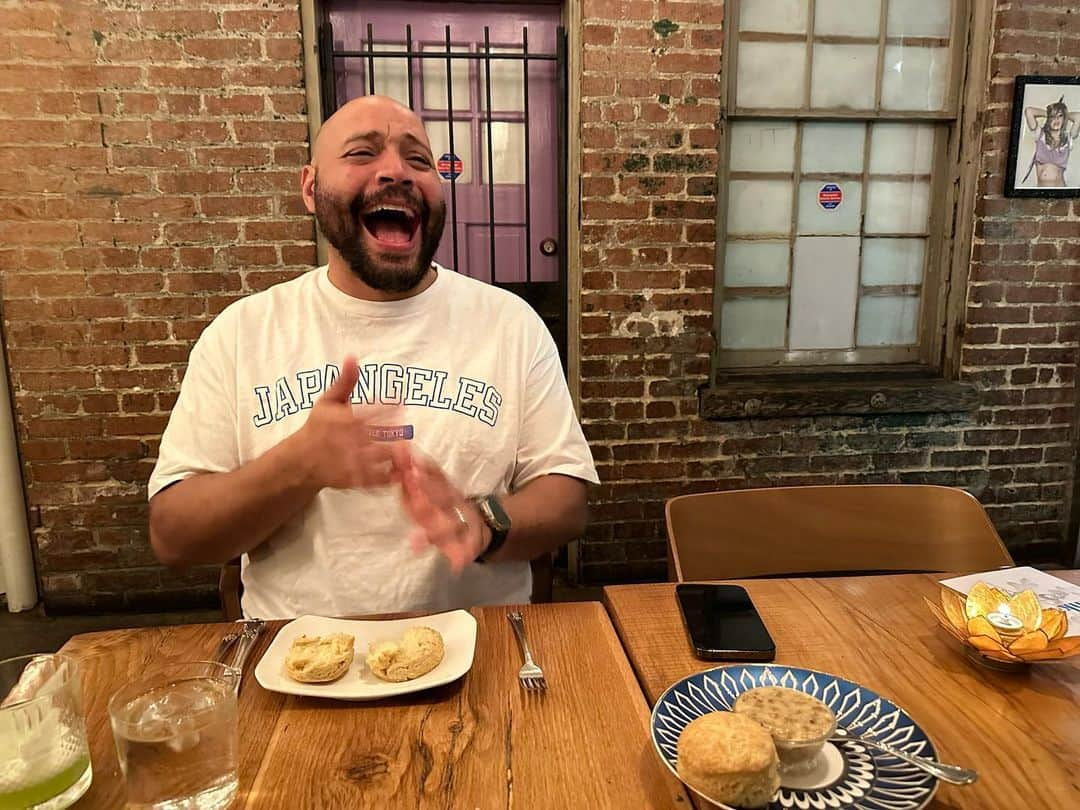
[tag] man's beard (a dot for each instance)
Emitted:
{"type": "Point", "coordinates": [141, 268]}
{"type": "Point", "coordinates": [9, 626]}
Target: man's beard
{"type": "Point", "coordinates": [342, 226]}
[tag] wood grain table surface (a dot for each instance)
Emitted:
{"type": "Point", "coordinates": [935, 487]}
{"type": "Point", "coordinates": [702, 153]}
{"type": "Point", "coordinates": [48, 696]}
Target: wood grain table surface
{"type": "Point", "coordinates": [480, 742]}
{"type": "Point", "coordinates": [1019, 730]}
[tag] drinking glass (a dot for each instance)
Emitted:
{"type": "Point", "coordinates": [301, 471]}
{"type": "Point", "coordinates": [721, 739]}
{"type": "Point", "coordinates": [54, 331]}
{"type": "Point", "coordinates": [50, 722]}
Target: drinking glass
{"type": "Point", "coordinates": [176, 737]}
{"type": "Point", "coordinates": [44, 758]}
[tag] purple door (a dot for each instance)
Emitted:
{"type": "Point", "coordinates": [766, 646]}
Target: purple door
{"type": "Point", "coordinates": [523, 196]}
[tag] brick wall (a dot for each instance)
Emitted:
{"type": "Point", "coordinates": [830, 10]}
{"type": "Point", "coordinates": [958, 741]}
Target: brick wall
{"type": "Point", "coordinates": [648, 248]}
{"type": "Point", "coordinates": [149, 155]}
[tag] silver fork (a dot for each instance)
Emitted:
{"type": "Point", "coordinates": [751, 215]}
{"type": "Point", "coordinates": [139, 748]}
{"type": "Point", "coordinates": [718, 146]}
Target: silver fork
{"type": "Point", "coordinates": [530, 675]}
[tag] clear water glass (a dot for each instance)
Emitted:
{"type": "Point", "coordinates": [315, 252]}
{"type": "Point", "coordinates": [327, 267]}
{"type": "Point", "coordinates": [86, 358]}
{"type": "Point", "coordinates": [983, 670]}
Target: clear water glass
{"type": "Point", "coordinates": [44, 758]}
{"type": "Point", "coordinates": [176, 737]}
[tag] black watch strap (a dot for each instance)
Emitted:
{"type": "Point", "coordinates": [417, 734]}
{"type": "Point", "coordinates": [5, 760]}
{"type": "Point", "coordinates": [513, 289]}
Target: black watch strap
{"type": "Point", "coordinates": [498, 521]}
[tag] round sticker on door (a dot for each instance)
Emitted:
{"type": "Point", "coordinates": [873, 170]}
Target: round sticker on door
{"type": "Point", "coordinates": [449, 166]}
{"type": "Point", "coordinates": [830, 196]}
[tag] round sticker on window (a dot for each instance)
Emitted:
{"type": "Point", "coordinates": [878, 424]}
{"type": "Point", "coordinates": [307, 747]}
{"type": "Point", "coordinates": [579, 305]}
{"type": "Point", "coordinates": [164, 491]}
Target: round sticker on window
{"type": "Point", "coordinates": [830, 196]}
{"type": "Point", "coordinates": [449, 166]}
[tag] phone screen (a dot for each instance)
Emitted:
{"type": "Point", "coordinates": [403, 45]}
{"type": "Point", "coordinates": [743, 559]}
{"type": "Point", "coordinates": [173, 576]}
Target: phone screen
{"type": "Point", "coordinates": [723, 623]}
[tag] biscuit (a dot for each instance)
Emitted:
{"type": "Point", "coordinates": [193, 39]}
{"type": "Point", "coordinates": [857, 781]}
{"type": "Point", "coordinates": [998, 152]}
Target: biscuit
{"type": "Point", "coordinates": [730, 759]}
{"type": "Point", "coordinates": [418, 652]}
{"type": "Point", "coordinates": [319, 659]}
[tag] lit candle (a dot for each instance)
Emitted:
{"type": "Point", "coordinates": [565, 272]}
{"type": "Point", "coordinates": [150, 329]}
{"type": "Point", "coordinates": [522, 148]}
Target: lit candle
{"type": "Point", "coordinates": [1003, 620]}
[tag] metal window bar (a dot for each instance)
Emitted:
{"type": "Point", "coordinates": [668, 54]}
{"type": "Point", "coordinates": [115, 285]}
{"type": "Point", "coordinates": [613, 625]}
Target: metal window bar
{"type": "Point", "coordinates": [453, 154]}
{"type": "Point", "coordinates": [371, 60]}
{"type": "Point", "coordinates": [329, 76]}
{"type": "Point", "coordinates": [528, 174]}
{"type": "Point", "coordinates": [408, 65]}
{"type": "Point", "coordinates": [491, 153]}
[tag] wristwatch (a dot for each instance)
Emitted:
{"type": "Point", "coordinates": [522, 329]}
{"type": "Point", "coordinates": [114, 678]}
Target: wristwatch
{"type": "Point", "coordinates": [497, 520]}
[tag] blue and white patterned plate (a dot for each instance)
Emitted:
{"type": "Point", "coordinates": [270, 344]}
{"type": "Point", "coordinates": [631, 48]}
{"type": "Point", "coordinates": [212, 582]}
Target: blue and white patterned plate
{"type": "Point", "coordinates": [851, 775]}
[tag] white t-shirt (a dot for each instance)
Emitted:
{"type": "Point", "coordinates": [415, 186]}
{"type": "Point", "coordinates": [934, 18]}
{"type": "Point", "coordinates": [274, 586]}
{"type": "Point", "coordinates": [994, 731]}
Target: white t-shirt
{"type": "Point", "coordinates": [483, 393]}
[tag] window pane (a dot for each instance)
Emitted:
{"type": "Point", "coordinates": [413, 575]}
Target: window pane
{"type": "Point", "coordinates": [762, 146]}
{"type": "Point", "coordinates": [833, 148]}
{"type": "Point", "coordinates": [919, 18]}
{"type": "Point", "coordinates": [759, 207]}
{"type": "Point", "coordinates": [756, 264]}
{"type": "Point", "coordinates": [507, 83]}
{"type": "Point", "coordinates": [914, 78]}
{"type": "Point", "coordinates": [433, 72]}
{"type": "Point", "coordinates": [901, 148]}
{"type": "Point", "coordinates": [813, 218]}
{"type": "Point", "coordinates": [753, 323]}
{"type": "Point", "coordinates": [508, 158]}
{"type": "Point", "coordinates": [861, 18]}
{"type": "Point", "coordinates": [771, 74]}
{"type": "Point", "coordinates": [893, 261]}
{"type": "Point", "coordinates": [897, 206]}
{"type": "Point", "coordinates": [843, 76]}
{"type": "Point", "coordinates": [888, 320]}
{"type": "Point", "coordinates": [824, 288]}
{"type": "Point", "coordinates": [777, 16]}
{"type": "Point", "coordinates": [392, 74]}
{"type": "Point", "coordinates": [438, 134]}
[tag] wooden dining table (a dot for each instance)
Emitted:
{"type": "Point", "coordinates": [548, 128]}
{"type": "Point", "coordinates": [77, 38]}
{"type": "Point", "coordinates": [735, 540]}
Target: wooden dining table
{"type": "Point", "coordinates": [1020, 730]}
{"type": "Point", "coordinates": [479, 742]}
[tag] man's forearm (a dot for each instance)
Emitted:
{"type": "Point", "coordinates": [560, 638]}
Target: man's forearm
{"type": "Point", "coordinates": [213, 517]}
{"type": "Point", "coordinates": [548, 512]}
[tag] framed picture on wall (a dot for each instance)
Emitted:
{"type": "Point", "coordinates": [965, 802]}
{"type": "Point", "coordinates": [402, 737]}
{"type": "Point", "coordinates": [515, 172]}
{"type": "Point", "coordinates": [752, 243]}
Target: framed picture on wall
{"type": "Point", "coordinates": [1044, 142]}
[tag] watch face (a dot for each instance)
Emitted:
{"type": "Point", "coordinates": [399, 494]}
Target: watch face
{"type": "Point", "coordinates": [499, 519]}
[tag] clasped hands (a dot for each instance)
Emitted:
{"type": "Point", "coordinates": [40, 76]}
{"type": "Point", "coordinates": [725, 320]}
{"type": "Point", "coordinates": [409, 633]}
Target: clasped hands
{"type": "Point", "coordinates": [339, 448]}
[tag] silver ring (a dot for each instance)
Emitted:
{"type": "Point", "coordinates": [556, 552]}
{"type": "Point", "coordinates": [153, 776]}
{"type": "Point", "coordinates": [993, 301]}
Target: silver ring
{"type": "Point", "coordinates": [464, 521]}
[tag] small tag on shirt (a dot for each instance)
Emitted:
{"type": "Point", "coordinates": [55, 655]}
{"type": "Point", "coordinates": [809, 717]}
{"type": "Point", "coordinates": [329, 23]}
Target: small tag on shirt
{"type": "Point", "coordinates": [390, 433]}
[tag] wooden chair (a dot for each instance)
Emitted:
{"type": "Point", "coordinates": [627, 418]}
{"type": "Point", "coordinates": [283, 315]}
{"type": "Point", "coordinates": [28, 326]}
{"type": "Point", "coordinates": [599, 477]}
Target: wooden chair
{"type": "Point", "coordinates": [823, 530]}
{"type": "Point", "coordinates": [230, 587]}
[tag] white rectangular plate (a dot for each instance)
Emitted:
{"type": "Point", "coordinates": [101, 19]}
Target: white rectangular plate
{"type": "Point", "coordinates": [458, 629]}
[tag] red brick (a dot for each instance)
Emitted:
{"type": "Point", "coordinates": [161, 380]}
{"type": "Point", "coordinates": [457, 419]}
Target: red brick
{"type": "Point", "coordinates": [142, 50]}
{"type": "Point", "coordinates": [219, 49]}
{"type": "Point", "coordinates": [286, 20]}
{"type": "Point", "coordinates": [262, 131]}
{"type": "Point", "coordinates": [200, 132]}
{"type": "Point", "coordinates": [261, 76]}
{"type": "Point", "coordinates": [197, 77]}
{"type": "Point", "coordinates": [242, 104]}
{"type": "Point", "coordinates": [234, 206]}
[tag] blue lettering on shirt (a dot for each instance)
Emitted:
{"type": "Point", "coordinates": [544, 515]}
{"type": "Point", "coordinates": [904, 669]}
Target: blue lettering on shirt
{"type": "Point", "coordinates": [387, 383]}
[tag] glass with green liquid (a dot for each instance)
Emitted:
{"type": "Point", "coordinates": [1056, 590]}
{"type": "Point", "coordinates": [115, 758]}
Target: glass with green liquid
{"type": "Point", "coordinates": [44, 758]}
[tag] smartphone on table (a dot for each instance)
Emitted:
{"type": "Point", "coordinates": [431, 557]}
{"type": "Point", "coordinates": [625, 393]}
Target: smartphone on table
{"type": "Point", "coordinates": [723, 623]}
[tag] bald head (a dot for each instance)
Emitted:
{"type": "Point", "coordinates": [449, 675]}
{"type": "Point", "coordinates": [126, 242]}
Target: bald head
{"type": "Point", "coordinates": [363, 116]}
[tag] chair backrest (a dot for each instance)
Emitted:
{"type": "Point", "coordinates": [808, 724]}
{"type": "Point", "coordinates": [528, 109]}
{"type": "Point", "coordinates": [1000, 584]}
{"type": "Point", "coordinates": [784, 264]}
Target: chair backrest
{"type": "Point", "coordinates": [230, 585]}
{"type": "Point", "coordinates": [829, 529]}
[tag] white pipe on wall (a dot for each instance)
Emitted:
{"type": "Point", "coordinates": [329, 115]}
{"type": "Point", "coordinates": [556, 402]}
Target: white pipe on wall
{"type": "Point", "coordinates": [16, 561]}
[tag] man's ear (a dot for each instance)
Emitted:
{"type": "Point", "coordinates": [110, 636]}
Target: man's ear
{"type": "Point", "coordinates": [307, 187]}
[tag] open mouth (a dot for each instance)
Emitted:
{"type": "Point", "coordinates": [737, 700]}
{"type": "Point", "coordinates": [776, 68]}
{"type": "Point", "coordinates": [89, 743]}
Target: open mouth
{"type": "Point", "coordinates": [394, 227]}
